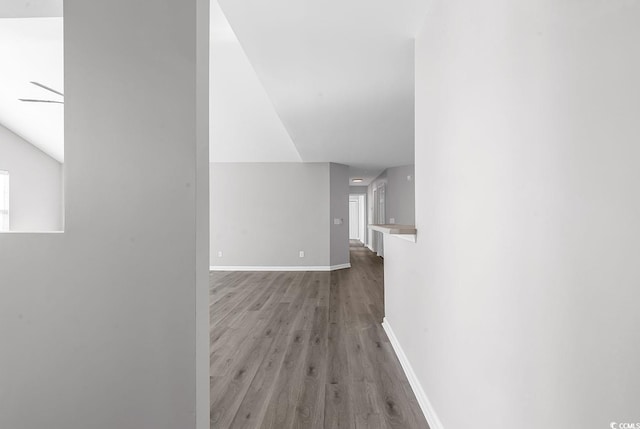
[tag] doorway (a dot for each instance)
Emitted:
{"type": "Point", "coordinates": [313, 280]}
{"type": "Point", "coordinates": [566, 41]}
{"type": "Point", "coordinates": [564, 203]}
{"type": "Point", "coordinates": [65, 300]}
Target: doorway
{"type": "Point", "coordinates": [357, 218]}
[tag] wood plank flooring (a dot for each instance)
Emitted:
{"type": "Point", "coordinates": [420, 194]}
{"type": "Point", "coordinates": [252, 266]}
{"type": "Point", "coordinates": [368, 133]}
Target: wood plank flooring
{"type": "Point", "coordinates": [306, 350]}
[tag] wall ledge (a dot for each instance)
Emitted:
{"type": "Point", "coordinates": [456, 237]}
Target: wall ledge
{"type": "Point", "coordinates": [280, 268]}
{"type": "Point", "coordinates": [404, 232]}
{"type": "Point", "coordinates": [421, 396]}
{"type": "Point", "coordinates": [392, 228]}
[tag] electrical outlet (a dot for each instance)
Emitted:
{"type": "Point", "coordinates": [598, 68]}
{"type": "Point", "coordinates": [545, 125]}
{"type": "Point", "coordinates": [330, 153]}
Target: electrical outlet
{"type": "Point", "coordinates": [301, 253]}
{"type": "Point", "coordinates": [337, 221]}
{"type": "Point", "coordinates": [392, 220]}
{"type": "Point", "coordinates": [220, 254]}
{"type": "Point", "coordinates": [409, 178]}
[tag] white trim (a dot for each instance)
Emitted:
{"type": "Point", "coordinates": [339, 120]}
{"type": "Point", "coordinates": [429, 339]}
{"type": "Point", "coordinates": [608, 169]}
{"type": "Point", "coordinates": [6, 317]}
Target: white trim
{"type": "Point", "coordinates": [340, 267]}
{"type": "Point", "coordinates": [421, 396]}
{"type": "Point", "coordinates": [271, 268]}
{"type": "Point", "coordinates": [393, 228]}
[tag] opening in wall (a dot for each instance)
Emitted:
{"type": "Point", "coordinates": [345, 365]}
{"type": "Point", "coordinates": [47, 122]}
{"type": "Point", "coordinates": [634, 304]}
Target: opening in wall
{"type": "Point", "coordinates": [392, 206]}
{"type": "Point", "coordinates": [357, 218]}
{"type": "Point", "coordinates": [31, 116]}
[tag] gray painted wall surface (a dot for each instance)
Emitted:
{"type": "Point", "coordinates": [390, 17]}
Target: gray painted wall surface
{"type": "Point", "coordinates": [381, 179]}
{"type": "Point", "coordinates": [519, 302]}
{"type": "Point", "coordinates": [35, 185]}
{"type": "Point", "coordinates": [399, 199]}
{"type": "Point", "coordinates": [263, 214]}
{"type": "Point", "coordinates": [98, 324]}
{"type": "Point", "coordinates": [339, 175]}
{"type": "Point", "coordinates": [401, 195]}
{"type": "Point", "coordinates": [358, 189]}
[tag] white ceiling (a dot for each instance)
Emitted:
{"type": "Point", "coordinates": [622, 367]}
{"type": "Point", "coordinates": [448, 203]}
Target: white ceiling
{"type": "Point", "coordinates": [30, 8]}
{"type": "Point", "coordinates": [339, 73]}
{"type": "Point", "coordinates": [244, 125]}
{"type": "Point", "coordinates": [307, 81]}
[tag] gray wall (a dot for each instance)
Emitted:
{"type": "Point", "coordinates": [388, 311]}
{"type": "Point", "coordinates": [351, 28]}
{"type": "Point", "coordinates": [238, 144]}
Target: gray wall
{"type": "Point", "coordinates": [401, 195]}
{"type": "Point", "coordinates": [399, 201]}
{"type": "Point", "coordinates": [519, 302]}
{"type": "Point", "coordinates": [263, 214]}
{"type": "Point", "coordinates": [36, 185]}
{"type": "Point", "coordinates": [98, 324]}
{"type": "Point", "coordinates": [374, 244]}
{"type": "Point", "coordinates": [339, 177]}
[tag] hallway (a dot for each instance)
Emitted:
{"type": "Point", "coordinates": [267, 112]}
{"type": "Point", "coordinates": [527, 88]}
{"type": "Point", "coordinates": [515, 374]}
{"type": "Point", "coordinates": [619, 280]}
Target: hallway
{"type": "Point", "coordinates": [306, 350]}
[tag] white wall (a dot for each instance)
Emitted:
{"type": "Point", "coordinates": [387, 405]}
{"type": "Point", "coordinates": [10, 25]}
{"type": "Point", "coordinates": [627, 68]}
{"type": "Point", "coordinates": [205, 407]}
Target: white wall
{"type": "Point", "coordinates": [238, 99]}
{"type": "Point", "coordinates": [263, 214]}
{"type": "Point", "coordinates": [401, 195]}
{"type": "Point", "coordinates": [30, 8]}
{"type": "Point", "coordinates": [518, 303]}
{"type": "Point", "coordinates": [36, 185]}
{"type": "Point", "coordinates": [98, 324]}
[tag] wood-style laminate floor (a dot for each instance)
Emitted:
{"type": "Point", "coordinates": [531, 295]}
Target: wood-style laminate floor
{"type": "Point", "coordinates": [306, 350]}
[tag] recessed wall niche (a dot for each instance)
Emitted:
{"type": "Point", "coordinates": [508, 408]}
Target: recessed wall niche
{"type": "Point", "coordinates": [31, 116]}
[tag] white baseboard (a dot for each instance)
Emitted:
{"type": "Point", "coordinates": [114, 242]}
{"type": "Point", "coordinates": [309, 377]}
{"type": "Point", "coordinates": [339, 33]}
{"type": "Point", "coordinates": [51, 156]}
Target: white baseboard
{"type": "Point", "coordinates": [339, 267]}
{"type": "Point", "coordinates": [421, 396]}
{"type": "Point", "coordinates": [271, 268]}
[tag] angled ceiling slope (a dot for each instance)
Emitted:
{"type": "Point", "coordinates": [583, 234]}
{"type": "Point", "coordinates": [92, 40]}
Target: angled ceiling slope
{"type": "Point", "coordinates": [340, 74]}
{"type": "Point", "coordinates": [244, 124]}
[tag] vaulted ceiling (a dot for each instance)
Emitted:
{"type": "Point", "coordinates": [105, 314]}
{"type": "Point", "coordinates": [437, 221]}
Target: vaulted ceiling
{"type": "Point", "coordinates": [31, 50]}
{"type": "Point", "coordinates": [340, 75]}
{"type": "Point", "coordinates": [245, 126]}
{"type": "Point", "coordinates": [291, 80]}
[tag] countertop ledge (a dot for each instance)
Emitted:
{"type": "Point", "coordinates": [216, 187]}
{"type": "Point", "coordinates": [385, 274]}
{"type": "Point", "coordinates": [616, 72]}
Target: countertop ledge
{"type": "Point", "coordinates": [405, 232]}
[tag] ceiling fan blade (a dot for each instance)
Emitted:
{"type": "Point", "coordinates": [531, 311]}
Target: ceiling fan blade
{"type": "Point", "coordinates": [28, 100]}
{"type": "Point", "coordinates": [47, 88]}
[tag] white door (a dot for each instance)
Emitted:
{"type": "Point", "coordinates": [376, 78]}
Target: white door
{"type": "Point", "coordinates": [354, 220]}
